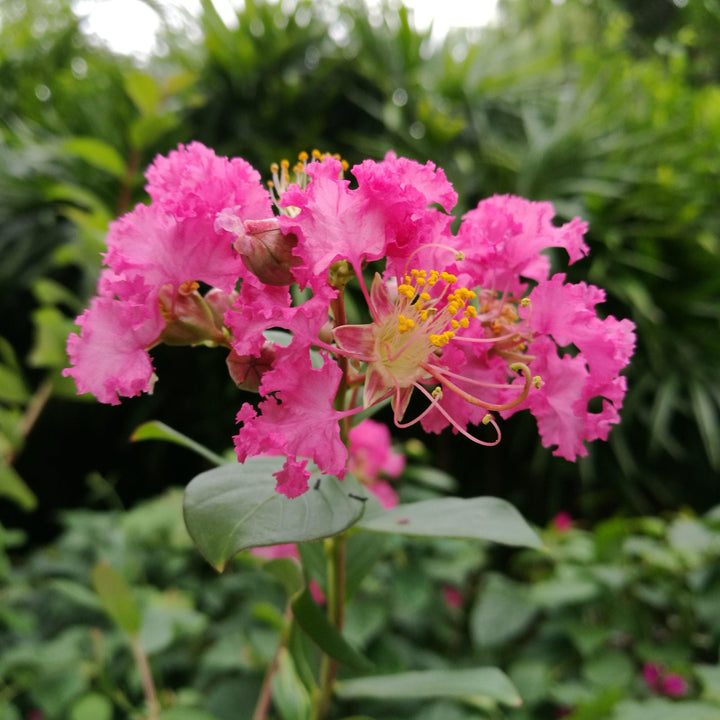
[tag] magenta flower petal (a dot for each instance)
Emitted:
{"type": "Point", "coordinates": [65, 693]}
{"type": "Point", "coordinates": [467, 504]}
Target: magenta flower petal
{"type": "Point", "coordinates": [193, 181]}
{"type": "Point", "coordinates": [303, 399]}
{"type": "Point", "coordinates": [292, 480]}
{"type": "Point", "coordinates": [110, 356]}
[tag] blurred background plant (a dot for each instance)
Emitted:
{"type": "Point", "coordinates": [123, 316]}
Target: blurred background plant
{"type": "Point", "coordinates": [610, 109]}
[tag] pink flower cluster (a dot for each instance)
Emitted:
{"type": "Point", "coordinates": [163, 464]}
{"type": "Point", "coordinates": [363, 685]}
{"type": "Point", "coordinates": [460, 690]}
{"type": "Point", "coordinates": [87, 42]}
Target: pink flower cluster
{"type": "Point", "coordinates": [474, 323]}
{"type": "Point", "coordinates": [662, 682]}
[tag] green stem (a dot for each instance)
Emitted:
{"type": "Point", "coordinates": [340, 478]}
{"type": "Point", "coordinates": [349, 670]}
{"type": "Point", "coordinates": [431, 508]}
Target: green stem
{"type": "Point", "coordinates": [265, 697]}
{"type": "Point", "coordinates": [335, 552]}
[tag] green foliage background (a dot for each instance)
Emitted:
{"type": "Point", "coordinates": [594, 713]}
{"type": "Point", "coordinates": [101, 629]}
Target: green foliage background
{"type": "Point", "coordinates": [610, 109]}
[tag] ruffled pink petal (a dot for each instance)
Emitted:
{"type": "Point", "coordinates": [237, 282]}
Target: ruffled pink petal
{"type": "Point", "coordinates": [292, 480]}
{"type": "Point", "coordinates": [334, 223]}
{"type": "Point", "coordinates": [110, 356]}
{"type": "Point", "coordinates": [193, 181]}
{"type": "Point", "coordinates": [502, 239]}
{"type": "Point", "coordinates": [163, 250]}
{"type": "Point", "coordinates": [303, 399]}
{"type": "Point", "coordinates": [400, 177]}
{"type": "Point", "coordinates": [561, 420]}
{"type": "Point", "coordinates": [261, 307]}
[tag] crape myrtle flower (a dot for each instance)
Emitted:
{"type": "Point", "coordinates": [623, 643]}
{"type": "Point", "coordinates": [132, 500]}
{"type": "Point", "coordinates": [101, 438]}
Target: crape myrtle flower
{"type": "Point", "coordinates": [157, 256]}
{"type": "Point", "coordinates": [474, 323]}
{"type": "Point", "coordinates": [457, 319]}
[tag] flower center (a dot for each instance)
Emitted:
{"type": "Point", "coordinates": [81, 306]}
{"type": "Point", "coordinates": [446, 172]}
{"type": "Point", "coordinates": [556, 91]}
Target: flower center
{"type": "Point", "coordinates": [283, 178]}
{"type": "Point", "coordinates": [428, 310]}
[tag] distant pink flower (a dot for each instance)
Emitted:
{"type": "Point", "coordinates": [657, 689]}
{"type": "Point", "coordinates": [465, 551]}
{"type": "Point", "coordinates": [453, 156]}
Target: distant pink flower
{"type": "Point", "coordinates": [452, 596]}
{"type": "Point", "coordinates": [662, 682]}
{"type": "Point", "coordinates": [372, 458]}
{"type": "Point", "coordinates": [562, 522]}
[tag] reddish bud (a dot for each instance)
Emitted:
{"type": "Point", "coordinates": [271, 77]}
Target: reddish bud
{"type": "Point", "coordinates": [247, 370]}
{"type": "Point", "coordinates": [266, 252]}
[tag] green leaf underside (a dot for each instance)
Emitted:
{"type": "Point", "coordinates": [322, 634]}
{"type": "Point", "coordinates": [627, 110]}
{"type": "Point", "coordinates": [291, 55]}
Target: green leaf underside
{"type": "Point", "coordinates": [483, 518]}
{"type": "Point", "coordinates": [156, 430]}
{"type": "Point", "coordinates": [235, 507]}
{"type": "Point", "coordinates": [314, 622]}
{"type": "Point", "coordinates": [486, 682]}
{"type": "Point", "coordinates": [116, 597]}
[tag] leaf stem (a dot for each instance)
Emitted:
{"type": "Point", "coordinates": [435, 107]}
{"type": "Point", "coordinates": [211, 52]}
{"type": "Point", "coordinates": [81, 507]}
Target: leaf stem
{"type": "Point", "coordinates": [335, 551]}
{"type": "Point", "coordinates": [148, 684]}
{"type": "Point", "coordinates": [265, 697]}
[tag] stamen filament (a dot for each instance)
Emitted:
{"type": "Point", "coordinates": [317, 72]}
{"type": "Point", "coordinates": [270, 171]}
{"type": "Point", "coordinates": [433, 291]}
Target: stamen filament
{"type": "Point", "coordinates": [455, 424]}
{"type": "Point", "coordinates": [440, 377]}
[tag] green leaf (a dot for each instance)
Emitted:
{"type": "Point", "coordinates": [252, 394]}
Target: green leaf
{"type": "Point", "coordinates": [14, 487]}
{"type": "Point", "coordinates": [96, 152]}
{"type": "Point", "coordinates": [50, 292]}
{"type": "Point", "coordinates": [287, 572]}
{"type": "Point", "coordinates": [313, 621]}
{"type": "Point", "coordinates": [659, 709]}
{"type": "Point", "coordinates": [147, 130]}
{"type": "Point", "coordinates": [484, 518]}
{"type": "Point", "coordinates": [484, 682]}
{"type": "Point", "coordinates": [503, 610]}
{"type": "Point", "coordinates": [432, 477]}
{"type": "Point", "coordinates": [709, 676]}
{"type": "Point", "coordinates": [235, 507]}
{"type": "Point", "coordinates": [144, 92]}
{"type": "Point", "coordinates": [92, 706]}
{"type": "Point", "coordinates": [12, 386]}
{"type": "Point", "coordinates": [363, 550]}
{"type": "Point", "coordinates": [116, 597]}
{"type": "Point", "coordinates": [303, 652]}
{"type": "Point", "coordinates": [76, 592]}
{"type": "Point", "coordinates": [186, 713]}
{"type": "Point", "coordinates": [290, 696]}
{"type": "Point", "coordinates": [9, 712]}
{"type": "Point", "coordinates": [51, 331]}
{"type": "Point", "coordinates": [156, 430]}
{"type": "Point", "coordinates": [706, 418]}
{"type": "Point", "coordinates": [609, 669]}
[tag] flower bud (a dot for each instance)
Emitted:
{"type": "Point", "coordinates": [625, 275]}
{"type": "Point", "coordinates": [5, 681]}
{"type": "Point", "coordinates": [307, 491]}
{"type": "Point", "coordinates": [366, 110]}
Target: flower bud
{"type": "Point", "coordinates": [247, 370]}
{"type": "Point", "coordinates": [189, 320]}
{"type": "Point", "coordinates": [219, 301]}
{"type": "Point", "coordinates": [266, 252]}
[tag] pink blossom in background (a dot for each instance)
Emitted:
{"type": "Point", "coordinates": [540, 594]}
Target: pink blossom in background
{"type": "Point", "coordinates": [662, 682]}
{"type": "Point", "coordinates": [372, 458]}
{"type": "Point", "coordinates": [562, 522]}
{"type": "Point", "coordinates": [452, 596]}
